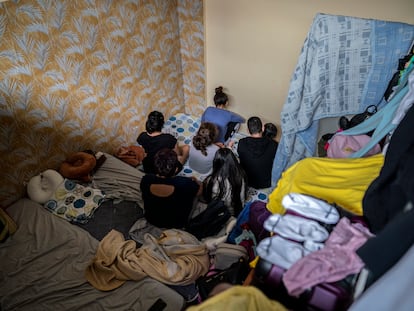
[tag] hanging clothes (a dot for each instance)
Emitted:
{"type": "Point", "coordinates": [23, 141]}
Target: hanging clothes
{"type": "Point", "coordinates": [382, 122]}
{"type": "Point", "coordinates": [345, 65]}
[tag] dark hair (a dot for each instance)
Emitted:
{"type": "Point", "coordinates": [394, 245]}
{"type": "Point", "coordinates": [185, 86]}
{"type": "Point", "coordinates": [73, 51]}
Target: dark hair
{"type": "Point", "coordinates": [155, 122]}
{"type": "Point", "coordinates": [206, 135]}
{"type": "Point", "coordinates": [165, 162]}
{"type": "Point", "coordinates": [226, 167]}
{"type": "Point", "coordinates": [220, 98]}
{"type": "Point", "coordinates": [255, 125]}
{"type": "Point", "coordinates": [270, 130]}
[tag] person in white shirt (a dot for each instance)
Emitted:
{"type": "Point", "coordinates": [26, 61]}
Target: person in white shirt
{"type": "Point", "coordinates": [203, 148]}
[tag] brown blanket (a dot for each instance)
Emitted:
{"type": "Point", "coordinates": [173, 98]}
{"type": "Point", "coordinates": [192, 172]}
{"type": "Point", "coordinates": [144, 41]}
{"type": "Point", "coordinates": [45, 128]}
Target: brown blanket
{"type": "Point", "coordinates": [176, 258]}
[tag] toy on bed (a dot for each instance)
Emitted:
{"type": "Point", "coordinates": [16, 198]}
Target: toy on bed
{"type": "Point", "coordinates": [78, 166]}
{"type": "Point", "coordinates": [42, 186]}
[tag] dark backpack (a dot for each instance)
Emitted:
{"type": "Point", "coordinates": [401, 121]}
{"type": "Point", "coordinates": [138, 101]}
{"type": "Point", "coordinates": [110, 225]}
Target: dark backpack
{"type": "Point", "coordinates": [345, 124]}
{"type": "Point", "coordinates": [235, 275]}
{"type": "Point", "coordinates": [210, 221]}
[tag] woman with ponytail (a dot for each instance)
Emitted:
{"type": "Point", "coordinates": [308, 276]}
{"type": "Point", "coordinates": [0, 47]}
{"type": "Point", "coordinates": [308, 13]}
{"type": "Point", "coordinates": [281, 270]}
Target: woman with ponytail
{"type": "Point", "coordinates": [226, 121]}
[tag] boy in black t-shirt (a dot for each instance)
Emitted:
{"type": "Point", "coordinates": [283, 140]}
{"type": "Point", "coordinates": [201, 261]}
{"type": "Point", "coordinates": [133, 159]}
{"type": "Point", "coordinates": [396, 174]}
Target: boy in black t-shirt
{"type": "Point", "coordinates": [256, 155]}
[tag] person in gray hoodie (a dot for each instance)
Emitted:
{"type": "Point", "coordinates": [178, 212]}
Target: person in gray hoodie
{"type": "Point", "coordinates": [256, 154]}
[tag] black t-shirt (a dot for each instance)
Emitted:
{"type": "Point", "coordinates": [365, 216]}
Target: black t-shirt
{"type": "Point", "coordinates": [171, 211]}
{"type": "Point", "coordinates": [256, 157]}
{"type": "Point", "coordinates": [152, 144]}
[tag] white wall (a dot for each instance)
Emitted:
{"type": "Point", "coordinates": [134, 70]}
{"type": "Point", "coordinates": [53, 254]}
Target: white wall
{"type": "Point", "coordinates": [252, 46]}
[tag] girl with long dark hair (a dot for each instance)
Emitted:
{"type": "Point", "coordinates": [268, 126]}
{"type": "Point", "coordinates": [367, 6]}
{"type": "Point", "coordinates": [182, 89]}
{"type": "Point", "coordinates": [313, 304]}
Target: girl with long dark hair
{"type": "Point", "coordinates": [227, 181]}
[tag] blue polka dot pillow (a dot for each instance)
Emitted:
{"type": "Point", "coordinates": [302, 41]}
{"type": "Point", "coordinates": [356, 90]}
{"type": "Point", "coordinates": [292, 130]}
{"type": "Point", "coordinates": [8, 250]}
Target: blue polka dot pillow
{"type": "Point", "coordinates": [74, 202]}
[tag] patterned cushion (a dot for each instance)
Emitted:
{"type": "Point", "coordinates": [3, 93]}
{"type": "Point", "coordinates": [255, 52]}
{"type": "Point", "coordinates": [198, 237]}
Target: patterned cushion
{"type": "Point", "coordinates": [74, 202]}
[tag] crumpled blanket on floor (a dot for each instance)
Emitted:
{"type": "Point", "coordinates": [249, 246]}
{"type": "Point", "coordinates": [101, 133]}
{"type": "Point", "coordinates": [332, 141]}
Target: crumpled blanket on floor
{"type": "Point", "coordinates": [176, 258]}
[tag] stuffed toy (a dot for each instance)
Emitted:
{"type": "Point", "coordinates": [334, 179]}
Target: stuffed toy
{"type": "Point", "coordinates": [78, 166]}
{"type": "Point", "coordinates": [42, 187]}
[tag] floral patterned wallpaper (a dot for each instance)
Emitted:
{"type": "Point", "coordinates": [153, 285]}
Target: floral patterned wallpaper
{"type": "Point", "coordinates": [84, 74]}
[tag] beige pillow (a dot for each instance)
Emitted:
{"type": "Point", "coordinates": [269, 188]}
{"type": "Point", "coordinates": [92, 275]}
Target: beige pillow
{"type": "Point", "coordinates": [42, 187]}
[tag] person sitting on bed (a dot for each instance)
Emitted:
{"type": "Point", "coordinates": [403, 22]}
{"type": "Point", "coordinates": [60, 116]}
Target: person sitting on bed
{"type": "Point", "coordinates": [153, 140]}
{"type": "Point", "coordinates": [227, 121]}
{"type": "Point", "coordinates": [256, 154]}
{"type": "Point", "coordinates": [270, 131]}
{"type": "Point", "coordinates": [168, 198]}
{"type": "Point", "coordinates": [227, 181]}
{"type": "Point", "coordinates": [203, 148]}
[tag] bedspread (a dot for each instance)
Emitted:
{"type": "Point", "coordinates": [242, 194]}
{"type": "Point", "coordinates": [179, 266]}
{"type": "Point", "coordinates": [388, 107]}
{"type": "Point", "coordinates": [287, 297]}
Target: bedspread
{"type": "Point", "coordinates": [42, 267]}
{"type": "Point", "coordinates": [344, 66]}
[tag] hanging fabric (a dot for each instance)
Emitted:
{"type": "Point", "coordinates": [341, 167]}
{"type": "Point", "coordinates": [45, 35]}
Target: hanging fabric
{"type": "Point", "coordinates": [344, 66]}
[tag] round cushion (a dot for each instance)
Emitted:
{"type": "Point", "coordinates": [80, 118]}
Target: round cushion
{"type": "Point", "coordinates": [78, 166]}
{"type": "Point", "coordinates": [42, 187]}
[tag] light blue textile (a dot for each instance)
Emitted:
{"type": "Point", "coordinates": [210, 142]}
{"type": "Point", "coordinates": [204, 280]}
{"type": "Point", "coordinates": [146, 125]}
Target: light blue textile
{"type": "Point", "coordinates": [393, 291]}
{"type": "Point", "coordinates": [381, 122]}
{"type": "Point", "coordinates": [344, 66]}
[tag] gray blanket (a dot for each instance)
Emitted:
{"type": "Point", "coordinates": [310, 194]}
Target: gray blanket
{"type": "Point", "coordinates": [43, 268]}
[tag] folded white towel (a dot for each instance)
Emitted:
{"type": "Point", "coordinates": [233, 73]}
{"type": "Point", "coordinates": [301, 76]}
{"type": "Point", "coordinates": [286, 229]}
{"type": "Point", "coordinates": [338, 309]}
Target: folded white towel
{"type": "Point", "coordinates": [311, 207]}
{"type": "Point", "coordinates": [281, 252]}
{"type": "Point", "coordinates": [312, 246]}
{"type": "Point", "coordinates": [296, 228]}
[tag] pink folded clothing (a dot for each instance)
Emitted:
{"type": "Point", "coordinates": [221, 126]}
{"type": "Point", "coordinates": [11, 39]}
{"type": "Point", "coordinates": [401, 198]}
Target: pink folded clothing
{"type": "Point", "coordinates": [336, 260]}
{"type": "Point", "coordinates": [311, 207]}
{"type": "Point", "coordinates": [296, 228]}
{"type": "Point", "coordinates": [326, 265]}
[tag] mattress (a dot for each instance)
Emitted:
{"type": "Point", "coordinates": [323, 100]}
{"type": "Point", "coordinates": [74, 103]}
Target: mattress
{"type": "Point", "coordinates": [43, 265]}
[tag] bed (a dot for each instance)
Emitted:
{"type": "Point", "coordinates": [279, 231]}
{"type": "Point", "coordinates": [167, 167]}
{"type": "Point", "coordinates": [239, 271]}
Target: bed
{"type": "Point", "coordinates": [43, 263]}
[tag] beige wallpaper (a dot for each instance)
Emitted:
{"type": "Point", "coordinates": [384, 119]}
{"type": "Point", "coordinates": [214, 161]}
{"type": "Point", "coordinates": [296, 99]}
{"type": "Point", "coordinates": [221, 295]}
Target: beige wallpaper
{"type": "Point", "coordinates": [84, 74]}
